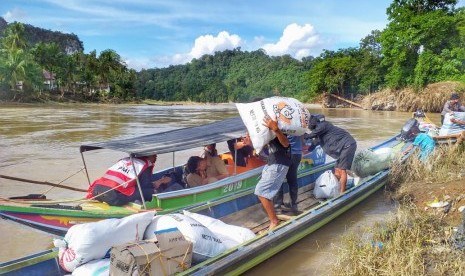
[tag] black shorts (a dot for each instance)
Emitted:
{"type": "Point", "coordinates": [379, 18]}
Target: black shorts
{"type": "Point", "coordinates": [347, 157]}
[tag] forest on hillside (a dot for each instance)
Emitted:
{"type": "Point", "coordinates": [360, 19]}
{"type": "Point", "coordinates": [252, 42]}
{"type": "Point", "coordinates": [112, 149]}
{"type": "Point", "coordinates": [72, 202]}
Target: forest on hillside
{"type": "Point", "coordinates": [422, 43]}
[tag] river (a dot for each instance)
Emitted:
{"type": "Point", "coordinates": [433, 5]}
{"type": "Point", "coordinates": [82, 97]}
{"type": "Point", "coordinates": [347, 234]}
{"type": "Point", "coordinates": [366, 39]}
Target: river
{"type": "Point", "coordinates": [41, 142]}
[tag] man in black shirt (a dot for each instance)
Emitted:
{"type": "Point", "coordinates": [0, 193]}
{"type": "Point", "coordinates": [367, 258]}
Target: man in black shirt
{"type": "Point", "coordinates": [274, 172]}
{"type": "Point", "coordinates": [336, 142]}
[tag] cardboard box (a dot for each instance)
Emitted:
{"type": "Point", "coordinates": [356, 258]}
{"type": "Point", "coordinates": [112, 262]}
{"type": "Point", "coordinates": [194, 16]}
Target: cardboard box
{"type": "Point", "coordinates": [168, 254]}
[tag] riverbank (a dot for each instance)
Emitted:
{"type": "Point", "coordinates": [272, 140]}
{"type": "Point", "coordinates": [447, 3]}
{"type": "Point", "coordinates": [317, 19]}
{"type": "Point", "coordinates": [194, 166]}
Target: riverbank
{"type": "Point", "coordinates": [429, 99]}
{"type": "Point", "coordinates": [424, 236]}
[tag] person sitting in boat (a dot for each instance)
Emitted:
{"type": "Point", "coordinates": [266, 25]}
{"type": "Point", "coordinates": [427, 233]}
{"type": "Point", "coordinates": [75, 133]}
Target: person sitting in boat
{"type": "Point", "coordinates": [336, 142]}
{"type": "Point", "coordinates": [452, 105]}
{"type": "Point", "coordinates": [423, 141]}
{"type": "Point", "coordinates": [215, 166]}
{"type": "Point", "coordinates": [196, 170]}
{"type": "Point", "coordinates": [167, 183]}
{"type": "Point", "coordinates": [119, 185]}
{"type": "Point", "coordinates": [242, 149]}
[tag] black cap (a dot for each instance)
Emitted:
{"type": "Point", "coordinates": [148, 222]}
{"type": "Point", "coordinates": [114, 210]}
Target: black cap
{"type": "Point", "coordinates": [454, 96]}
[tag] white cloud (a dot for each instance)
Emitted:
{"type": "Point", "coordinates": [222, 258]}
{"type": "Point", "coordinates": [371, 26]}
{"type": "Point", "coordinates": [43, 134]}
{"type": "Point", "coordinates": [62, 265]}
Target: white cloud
{"type": "Point", "coordinates": [14, 15]}
{"type": "Point", "coordinates": [297, 41]}
{"type": "Point", "coordinates": [209, 44]}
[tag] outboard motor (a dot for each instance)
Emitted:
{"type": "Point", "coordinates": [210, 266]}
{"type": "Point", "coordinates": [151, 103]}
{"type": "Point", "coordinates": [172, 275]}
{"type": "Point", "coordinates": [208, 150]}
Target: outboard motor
{"type": "Point", "coordinates": [412, 126]}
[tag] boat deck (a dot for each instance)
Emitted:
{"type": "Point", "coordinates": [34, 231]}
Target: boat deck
{"type": "Point", "coordinates": [255, 218]}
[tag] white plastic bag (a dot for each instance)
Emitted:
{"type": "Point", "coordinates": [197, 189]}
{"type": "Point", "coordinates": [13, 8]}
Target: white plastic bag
{"type": "Point", "coordinates": [91, 241]}
{"type": "Point", "coordinates": [291, 115]}
{"type": "Point", "coordinates": [205, 243]}
{"type": "Point", "coordinates": [231, 235]}
{"type": "Point", "coordinates": [326, 186]}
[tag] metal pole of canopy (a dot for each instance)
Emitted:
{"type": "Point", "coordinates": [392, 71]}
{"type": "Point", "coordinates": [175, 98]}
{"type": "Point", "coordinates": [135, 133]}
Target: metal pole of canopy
{"type": "Point", "coordinates": [173, 162]}
{"type": "Point", "coordinates": [138, 182]}
{"type": "Point", "coordinates": [235, 158]}
{"type": "Point", "coordinates": [85, 168]}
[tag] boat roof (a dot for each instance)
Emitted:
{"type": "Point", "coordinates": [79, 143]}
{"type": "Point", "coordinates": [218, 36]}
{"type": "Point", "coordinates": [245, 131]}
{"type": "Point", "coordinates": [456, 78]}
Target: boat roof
{"type": "Point", "coordinates": [175, 140]}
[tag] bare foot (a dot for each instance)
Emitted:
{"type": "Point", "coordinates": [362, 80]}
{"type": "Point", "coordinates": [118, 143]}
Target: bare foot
{"type": "Point", "coordinates": [273, 225]}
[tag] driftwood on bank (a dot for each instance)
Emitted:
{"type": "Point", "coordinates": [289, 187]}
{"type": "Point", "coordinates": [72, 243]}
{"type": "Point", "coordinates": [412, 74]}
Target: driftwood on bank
{"type": "Point", "coordinates": [346, 101]}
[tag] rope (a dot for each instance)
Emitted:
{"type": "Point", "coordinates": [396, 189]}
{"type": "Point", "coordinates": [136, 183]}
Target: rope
{"type": "Point", "coordinates": [182, 264]}
{"type": "Point", "coordinates": [92, 199]}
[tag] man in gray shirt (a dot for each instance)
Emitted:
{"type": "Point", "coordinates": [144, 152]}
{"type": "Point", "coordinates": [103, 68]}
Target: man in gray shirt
{"type": "Point", "coordinates": [453, 105]}
{"type": "Point", "coordinates": [336, 142]}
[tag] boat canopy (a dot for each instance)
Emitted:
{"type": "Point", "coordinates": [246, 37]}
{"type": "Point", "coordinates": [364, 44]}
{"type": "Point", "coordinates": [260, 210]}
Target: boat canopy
{"type": "Point", "coordinates": [175, 140]}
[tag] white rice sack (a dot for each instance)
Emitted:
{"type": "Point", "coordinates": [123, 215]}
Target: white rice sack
{"type": "Point", "coordinates": [205, 244]}
{"type": "Point", "coordinates": [91, 241]}
{"type": "Point", "coordinates": [326, 186]}
{"type": "Point", "coordinates": [94, 268]}
{"type": "Point", "coordinates": [448, 127]}
{"type": "Point", "coordinates": [231, 235]}
{"type": "Point", "coordinates": [291, 115]}
{"type": "Point", "coordinates": [370, 162]}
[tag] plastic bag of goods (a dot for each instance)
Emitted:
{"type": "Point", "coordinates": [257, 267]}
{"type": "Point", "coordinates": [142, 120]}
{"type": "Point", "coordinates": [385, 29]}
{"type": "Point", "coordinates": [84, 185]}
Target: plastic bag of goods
{"type": "Point", "coordinates": [291, 115]}
{"type": "Point", "coordinates": [231, 235]}
{"type": "Point", "coordinates": [448, 127]}
{"type": "Point", "coordinates": [370, 162]}
{"type": "Point", "coordinates": [205, 244]}
{"type": "Point", "coordinates": [91, 241]}
{"type": "Point", "coordinates": [326, 186]}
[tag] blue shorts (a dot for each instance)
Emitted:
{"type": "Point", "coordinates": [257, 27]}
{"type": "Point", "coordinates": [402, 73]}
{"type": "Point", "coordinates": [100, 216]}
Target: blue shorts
{"type": "Point", "coordinates": [271, 181]}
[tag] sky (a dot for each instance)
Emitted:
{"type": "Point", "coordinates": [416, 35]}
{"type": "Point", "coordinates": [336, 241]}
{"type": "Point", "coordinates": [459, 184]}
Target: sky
{"type": "Point", "coordinates": [158, 33]}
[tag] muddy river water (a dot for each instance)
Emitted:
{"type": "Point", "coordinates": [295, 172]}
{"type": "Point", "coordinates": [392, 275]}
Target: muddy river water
{"type": "Point", "coordinates": [41, 142]}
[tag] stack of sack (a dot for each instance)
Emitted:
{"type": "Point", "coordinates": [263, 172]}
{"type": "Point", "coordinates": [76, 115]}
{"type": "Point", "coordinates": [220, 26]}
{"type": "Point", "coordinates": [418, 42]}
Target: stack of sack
{"type": "Point", "coordinates": [170, 242]}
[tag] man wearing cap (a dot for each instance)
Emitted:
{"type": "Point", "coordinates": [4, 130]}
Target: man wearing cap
{"type": "Point", "coordinates": [453, 105]}
{"type": "Point", "coordinates": [336, 142]}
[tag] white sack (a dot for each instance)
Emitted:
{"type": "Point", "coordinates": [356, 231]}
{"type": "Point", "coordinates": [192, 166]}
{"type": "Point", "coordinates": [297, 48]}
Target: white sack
{"type": "Point", "coordinates": [91, 241]}
{"type": "Point", "coordinates": [370, 162]}
{"type": "Point", "coordinates": [231, 235]}
{"type": "Point", "coordinates": [448, 127]}
{"type": "Point", "coordinates": [291, 115]}
{"type": "Point", "coordinates": [94, 268]}
{"type": "Point", "coordinates": [326, 186]}
{"type": "Point", "coordinates": [205, 244]}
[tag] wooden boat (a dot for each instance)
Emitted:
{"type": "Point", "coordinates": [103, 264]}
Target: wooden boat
{"type": "Point", "coordinates": [57, 216]}
{"type": "Point", "coordinates": [232, 209]}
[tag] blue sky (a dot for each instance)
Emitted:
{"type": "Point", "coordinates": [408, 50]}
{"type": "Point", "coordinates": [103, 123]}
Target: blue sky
{"type": "Point", "coordinates": [157, 33]}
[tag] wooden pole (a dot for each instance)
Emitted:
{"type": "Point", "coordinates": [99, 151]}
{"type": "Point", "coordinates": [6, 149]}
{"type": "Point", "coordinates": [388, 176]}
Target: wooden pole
{"type": "Point", "coordinates": [347, 101]}
{"type": "Point", "coordinates": [41, 183]}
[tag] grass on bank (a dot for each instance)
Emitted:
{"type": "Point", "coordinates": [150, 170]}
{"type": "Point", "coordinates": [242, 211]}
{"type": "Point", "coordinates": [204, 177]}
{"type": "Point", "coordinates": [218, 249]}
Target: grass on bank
{"type": "Point", "coordinates": [414, 241]}
{"type": "Point", "coordinates": [411, 243]}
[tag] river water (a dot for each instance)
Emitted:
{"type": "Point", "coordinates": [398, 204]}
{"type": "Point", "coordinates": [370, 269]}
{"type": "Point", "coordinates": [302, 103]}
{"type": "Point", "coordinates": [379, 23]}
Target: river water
{"type": "Point", "coordinates": [41, 142]}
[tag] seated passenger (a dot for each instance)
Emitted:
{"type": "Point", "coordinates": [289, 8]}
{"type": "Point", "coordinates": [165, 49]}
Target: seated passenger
{"type": "Point", "coordinates": [119, 186]}
{"type": "Point", "coordinates": [215, 166]}
{"type": "Point", "coordinates": [197, 172]}
{"type": "Point", "coordinates": [242, 149]}
{"type": "Point", "coordinates": [424, 142]}
{"type": "Point", "coordinates": [167, 183]}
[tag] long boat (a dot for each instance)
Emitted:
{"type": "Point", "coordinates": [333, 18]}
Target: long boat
{"type": "Point", "coordinates": [57, 216]}
{"type": "Point", "coordinates": [243, 209]}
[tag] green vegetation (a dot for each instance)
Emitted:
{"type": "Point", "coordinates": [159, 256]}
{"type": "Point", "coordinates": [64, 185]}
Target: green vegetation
{"type": "Point", "coordinates": [418, 240]}
{"type": "Point", "coordinates": [83, 77]}
{"type": "Point", "coordinates": [423, 43]}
